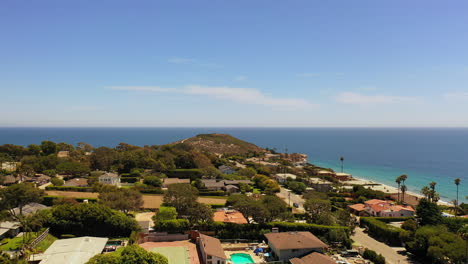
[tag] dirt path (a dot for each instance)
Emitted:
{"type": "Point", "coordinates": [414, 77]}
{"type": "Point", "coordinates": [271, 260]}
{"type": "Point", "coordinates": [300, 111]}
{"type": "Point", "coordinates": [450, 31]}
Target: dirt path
{"type": "Point", "coordinates": [390, 254]}
{"type": "Point", "coordinates": [149, 201]}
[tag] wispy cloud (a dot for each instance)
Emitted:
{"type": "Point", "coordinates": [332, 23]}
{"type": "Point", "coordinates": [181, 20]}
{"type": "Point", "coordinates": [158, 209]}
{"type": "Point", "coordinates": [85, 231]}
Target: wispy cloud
{"type": "Point", "coordinates": [456, 96]}
{"type": "Point", "coordinates": [187, 61]}
{"type": "Point", "coordinates": [238, 95]}
{"type": "Point", "coordinates": [240, 78]}
{"type": "Point", "coordinates": [358, 98]}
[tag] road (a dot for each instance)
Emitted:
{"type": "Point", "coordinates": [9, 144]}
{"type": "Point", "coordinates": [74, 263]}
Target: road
{"type": "Point", "coordinates": [390, 254]}
{"type": "Point", "coordinates": [284, 194]}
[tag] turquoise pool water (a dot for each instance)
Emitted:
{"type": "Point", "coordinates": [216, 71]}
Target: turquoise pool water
{"type": "Point", "coordinates": [241, 258]}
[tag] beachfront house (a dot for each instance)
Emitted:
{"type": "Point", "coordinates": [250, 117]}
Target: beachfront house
{"type": "Point", "coordinates": [289, 245]}
{"type": "Point", "coordinates": [282, 177]}
{"type": "Point", "coordinates": [381, 208]}
{"type": "Point", "coordinates": [210, 249]}
{"type": "Point", "coordinates": [110, 179]}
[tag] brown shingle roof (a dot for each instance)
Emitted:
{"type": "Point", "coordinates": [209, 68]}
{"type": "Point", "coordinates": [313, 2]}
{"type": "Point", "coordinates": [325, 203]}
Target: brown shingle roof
{"type": "Point", "coordinates": [313, 258]}
{"type": "Point", "coordinates": [77, 182]}
{"type": "Point", "coordinates": [294, 240]}
{"type": "Point", "coordinates": [169, 181]}
{"type": "Point", "coordinates": [212, 246]}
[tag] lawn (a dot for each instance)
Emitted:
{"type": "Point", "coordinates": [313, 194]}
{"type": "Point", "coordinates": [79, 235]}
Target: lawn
{"type": "Point", "coordinates": [45, 244]}
{"type": "Point", "coordinates": [12, 244]}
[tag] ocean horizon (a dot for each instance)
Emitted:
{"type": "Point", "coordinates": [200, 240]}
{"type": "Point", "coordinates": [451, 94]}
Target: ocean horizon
{"type": "Point", "coordinates": [379, 154]}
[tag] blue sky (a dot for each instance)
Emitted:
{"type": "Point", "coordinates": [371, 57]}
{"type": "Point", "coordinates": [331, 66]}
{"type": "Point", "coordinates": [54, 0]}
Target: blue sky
{"type": "Point", "coordinates": [234, 63]}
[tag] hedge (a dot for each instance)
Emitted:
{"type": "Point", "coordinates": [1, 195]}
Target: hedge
{"type": "Point", "coordinates": [191, 174]}
{"type": "Point", "coordinates": [372, 256]}
{"type": "Point", "coordinates": [49, 199]}
{"type": "Point", "coordinates": [70, 188]}
{"type": "Point", "coordinates": [173, 226]}
{"type": "Point", "coordinates": [382, 231]}
{"type": "Point", "coordinates": [152, 191]}
{"type": "Point", "coordinates": [392, 219]}
{"type": "Point", "coordinates": [129, 179]}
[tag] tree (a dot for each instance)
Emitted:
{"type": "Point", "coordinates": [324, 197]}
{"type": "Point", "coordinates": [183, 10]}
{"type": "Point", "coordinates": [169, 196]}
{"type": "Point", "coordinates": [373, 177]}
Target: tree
{"type": "Point", "coordinates": [296, 186]}
{"type": "Point", "coordinates": [403, 191]}
{"type": "Point", "coordinates": [457, 182]}
{"type": "Point", "coordinates": [124, 200]}
{"type": "Point", "coordinates": [73, 168]}
{"type": "Point", "coordinates": [129, 255]}
{"type": "Point", "coordinates": [210, 172]}
{"type": "Point", "coordinates": [153, 181]}
{"type": "Point", "coordinates": [342, 161]}
{"type": "Point", "coordinates": [62, 146]}
{"type": "Point", "coordinates": [103, 158]}
{"type": "Point", "coordinates": [48, 147]}
{"type": "Point", "coordinates": [165, 213]}
{"type": "Point", "coordinates": [316, 207]}
{"type": "Point", "coordinates": [249, 172]}
{"type": "Point", "coordinates": [85, 147]}
{"type": "Point", "coordinates": [19, 195]}
{"type": "Point", "coordinates": [56, 181]}
{"type": "Point", "coordinates": [34, 149]}
{"type": "Point", "coordinates": [276, 208]}
{"type": "Point", "coordinates": [199, 213]}
{"type": "Point", "coordinates": [181, 196]}
{"type": "Point", "coordinates": [428, 212]}
{"type": "Point", "coordinates": [398, 181]}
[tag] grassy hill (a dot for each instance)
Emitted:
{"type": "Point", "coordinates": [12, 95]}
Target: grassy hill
{"type": "Point", "coordinates": [221, 143]}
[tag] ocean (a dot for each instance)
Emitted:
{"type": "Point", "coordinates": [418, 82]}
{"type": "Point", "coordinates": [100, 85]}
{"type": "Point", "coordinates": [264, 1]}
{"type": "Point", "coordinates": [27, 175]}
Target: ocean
{"type": "Point", "coordinates": [379, 154]}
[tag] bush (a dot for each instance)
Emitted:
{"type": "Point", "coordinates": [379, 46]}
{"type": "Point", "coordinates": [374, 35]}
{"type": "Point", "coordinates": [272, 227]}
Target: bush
{"type": "Point", "coordinates": [372, 256]}
{"type": "Point", "coordinates": [382, 231]}
{"type": "Point", "coordinates": [129, 179]}
{"type": "Point", "coordinates": [212, 193]}
{"type": "Point", "coordinates": [70, 188]}
{"type": "Point", "coordinates": [56, 181]}
{"type": "Point", "coordinates": [191, 174]}
{"type": "Point", "coordinates": [173, 226]}
{"type": "Point", "coordinates": [152, 181]}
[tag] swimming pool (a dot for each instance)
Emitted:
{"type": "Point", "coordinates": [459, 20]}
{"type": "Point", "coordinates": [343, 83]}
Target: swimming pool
{"type": "Point", "coordinates": [241, 258]}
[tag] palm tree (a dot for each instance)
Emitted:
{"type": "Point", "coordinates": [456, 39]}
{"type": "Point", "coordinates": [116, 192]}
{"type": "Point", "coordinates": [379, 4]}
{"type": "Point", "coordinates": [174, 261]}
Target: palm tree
{"type": "Point", "coordinates": [457, 182]}
{"type": "Point", "coordinates": [426, 192]}
{"type": "Point", "coordinates": [403, 178]}
{"type": "Point", "coordinates": [342, 160]}
{"type": "Point", "coordinates": [403, 190]}
{"type": "Point", "coordinates": [398, 181]}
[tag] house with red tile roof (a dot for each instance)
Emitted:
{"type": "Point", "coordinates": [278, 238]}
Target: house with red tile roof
{"type": "Point", "coordinates": [229, 216]}
{"type": "Point", "coordinates": [381, 208]}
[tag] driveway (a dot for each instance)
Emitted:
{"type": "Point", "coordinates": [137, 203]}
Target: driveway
{"type": "Point", "coordinates": [284, 194]}
{"type": "Point", "coordinates": [390, 254]}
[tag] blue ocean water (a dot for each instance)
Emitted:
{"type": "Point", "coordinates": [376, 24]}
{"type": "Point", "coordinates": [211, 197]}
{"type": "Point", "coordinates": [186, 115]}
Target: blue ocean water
{"type": "Point", "coordinates": [380, 154]}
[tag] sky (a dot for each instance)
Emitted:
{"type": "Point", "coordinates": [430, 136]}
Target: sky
{"type": "Point", "coordinates": [243, 63]}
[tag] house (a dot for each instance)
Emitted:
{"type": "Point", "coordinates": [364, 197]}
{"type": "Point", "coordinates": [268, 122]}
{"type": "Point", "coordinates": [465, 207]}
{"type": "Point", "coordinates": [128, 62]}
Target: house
{"type": "Point", "coordinates": [110, 178]}
{"type": "Point", "coordinates": [73, 250]}
{"type": "Point", "coordinates": [9, 229]}
{"type": "Point", "coordinates": [226, 169]}
{"type": "Point", "coordinates": [9, 180]}
{"type": "Point", "coordinates": [313, 258]}
{"type": "Point", "coordinates": [213, 185]}
{"type": "Point", "coordinates": [229, 216]}
{"type": "Point", "coordinates": [288, 245]}
{"type": "Point", "coordinates": [169, 181]}
{"type": "Point", "coordinates": [10, 166]}
{"type": "Point", "coordinates": [38, 179]}
{"type": "Point", "coordinates": [320, 185]}
{"type": "Point", "coordinates": [282, 177]}
{"type": "Point", "coordinates": [231, 188]}
{"type": "Point", "coordinates": [381, 208]}
{"type": "Point", "coordinates": [343, 176]}
{"type": "Point", "coordinates": [77, 182]}
{"type": "Point", "coordinates": [30, 208]}
{"type": "Point", "coordinates": [63, 154]}
{"type": "Point", "coordinates": [210, 249]}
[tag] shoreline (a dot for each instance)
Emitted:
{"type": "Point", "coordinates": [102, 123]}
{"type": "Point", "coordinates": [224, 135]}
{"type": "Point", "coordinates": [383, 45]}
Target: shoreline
{"type": "Point", "coordinates": [392, 190]}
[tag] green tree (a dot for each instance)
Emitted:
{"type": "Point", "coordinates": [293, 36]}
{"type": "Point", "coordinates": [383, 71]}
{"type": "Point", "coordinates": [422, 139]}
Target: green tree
{"type": "Point", "coordinates": [103, 158]}
{"type": "Point", "coordinates": [249, 172]}
{"type": "Point", "coordinates": [19, 195]}
{"type": "Point", "coordinates": [317, 207]}
{"type": "Point", "coordinates": [56, 181]}
{"type": "Point", "coordinates": [342, 162]}
{"type": "Point", "coordinates": [62, 146]}
{"type": "Point", "coordinates": [73, 168]}
{"type": "Point", "coordinates": [199, 213]}
{"type": "Point", "coordinates": [165, 213]}
{"type": "Point", "coordinates": [48, 147]}
{"type": "Point", "coordinates": [153, 181]}
{"type": "Point", "coordinates": [124, 199]}
{"type": "Point", "coordinates": [34, 149]}
{"type": "Point", "coordinates": [428, 212]}
{"type": "Point", "coordinates": [210, 172]}
{"type": "Point", "coordinates": [129, 255]}
{"type": "Point", "coordinates": [457, 183]}
{"type": "Point", "coordinates": [403, 191]}
{"type": "Point", "coordinates": [398, 181]}
{"type": "Point", "coordinates": [85, 147]}
{"type": "Point", "coordinates": [181, 196]}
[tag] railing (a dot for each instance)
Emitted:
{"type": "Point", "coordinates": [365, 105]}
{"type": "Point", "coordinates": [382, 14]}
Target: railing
{"type": "Point", "coordinates": [38, 239]}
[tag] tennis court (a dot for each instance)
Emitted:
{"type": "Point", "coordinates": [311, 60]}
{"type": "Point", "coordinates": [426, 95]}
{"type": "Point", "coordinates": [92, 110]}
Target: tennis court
{"type": "Point", "coordinates": [175, 255]}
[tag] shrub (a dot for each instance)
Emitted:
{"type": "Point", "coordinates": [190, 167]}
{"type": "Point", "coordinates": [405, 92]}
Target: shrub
{"type": "Point", "coordinates": [372, 256]}
{"type": "Point", "coordinates": [191, 174]}
{"type": "Point", "coordinates": [382, 231]}
{"type": "Point", "coordinates": [129, 179]}
{"type": "Point", "coordinates": [70, 188]}
{"type": "Point", "coordinates": [173, 226]}
{"type": "Point", "coordinates": [56, 181]}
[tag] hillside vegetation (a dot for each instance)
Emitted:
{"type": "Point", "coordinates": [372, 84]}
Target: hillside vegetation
{"type": "Point", "coordinates": [221, 144]}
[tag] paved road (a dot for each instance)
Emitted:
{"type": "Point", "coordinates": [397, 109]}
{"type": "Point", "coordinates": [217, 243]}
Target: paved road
{"type": "Point", "coordinates": [284, 194]}
{"type": "Point", "coordinates": [390, 254]}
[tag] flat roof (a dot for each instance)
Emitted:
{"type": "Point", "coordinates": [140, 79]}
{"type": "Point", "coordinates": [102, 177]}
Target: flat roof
{"type": "Point", "coordinates": [73, 250]}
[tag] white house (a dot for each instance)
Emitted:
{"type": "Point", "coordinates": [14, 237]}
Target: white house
{"type": "Point", "coordinates": [110, 178]}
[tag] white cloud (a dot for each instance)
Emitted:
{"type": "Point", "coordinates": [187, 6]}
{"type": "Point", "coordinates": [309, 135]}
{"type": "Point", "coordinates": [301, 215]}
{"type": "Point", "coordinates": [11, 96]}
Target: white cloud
{"type": "Point", "coordinates": [456, 96]}
{"type": "Point", "coordinates": [241, 78]}
{"type": "Point", "coordinates": [357, 98]}
{"type": "Point", "coordinates": [238, 95]}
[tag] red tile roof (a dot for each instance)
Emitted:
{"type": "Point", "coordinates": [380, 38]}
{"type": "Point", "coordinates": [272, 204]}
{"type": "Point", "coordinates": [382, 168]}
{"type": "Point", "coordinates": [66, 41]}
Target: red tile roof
{"type": "Point", "coordinates": [231, 216]}
{"type": "Point", "coordinates": [358, 207]}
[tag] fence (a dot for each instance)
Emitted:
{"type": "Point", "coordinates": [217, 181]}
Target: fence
{"type": "Point", "coordinates": [38, 239]}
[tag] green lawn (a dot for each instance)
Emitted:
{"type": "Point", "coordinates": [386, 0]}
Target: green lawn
{"type": "Point", "coordinates": [12, 244]}
{"type": "Point", "coordinates": [41, 247]}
